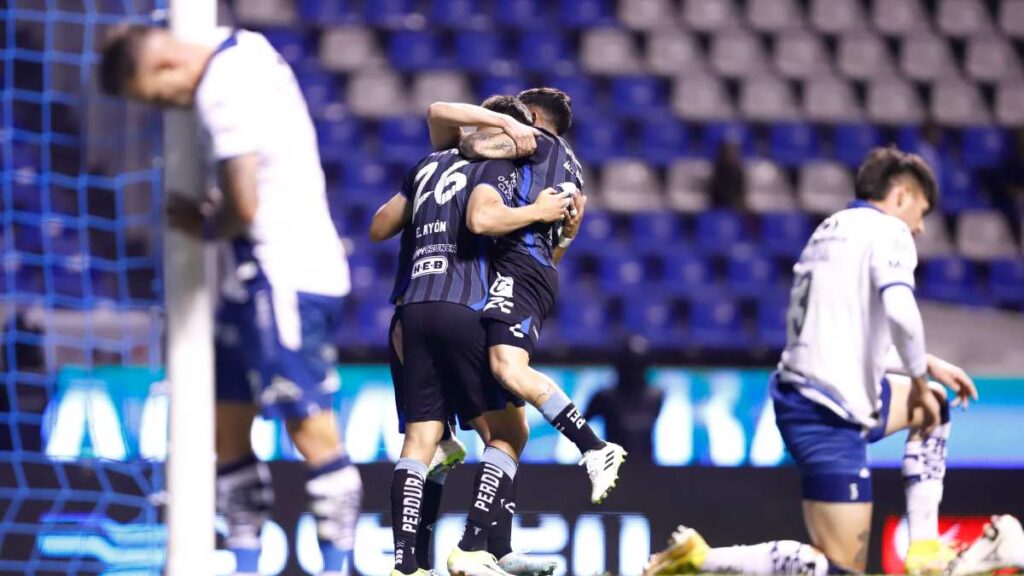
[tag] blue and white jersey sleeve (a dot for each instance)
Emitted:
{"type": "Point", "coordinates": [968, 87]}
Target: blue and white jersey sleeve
{"type": "Point", "coordinates": [227, 109]}
{"type": "Point", "coordinates": [893, 255]}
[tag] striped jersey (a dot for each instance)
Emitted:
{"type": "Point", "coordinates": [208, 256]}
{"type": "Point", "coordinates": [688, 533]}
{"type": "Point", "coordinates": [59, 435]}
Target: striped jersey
{"type": "Point", "coordinates": [448, 262]}
{"type": "Point", "coordinates": [550, 165]}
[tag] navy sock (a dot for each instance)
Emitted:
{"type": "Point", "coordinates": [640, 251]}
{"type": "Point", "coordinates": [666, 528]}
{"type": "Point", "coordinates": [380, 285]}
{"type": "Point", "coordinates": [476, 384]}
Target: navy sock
{"type": "Point", "coordinates": [563, 415]}
{"type": "Point", "coordinates": [493, 478]}
{"type": "Point", "coordinates": [499, 541]}
{"type": "Point", "coordinates": [432, 492]}
{"type": "Point", "coordinates": [406, 505]}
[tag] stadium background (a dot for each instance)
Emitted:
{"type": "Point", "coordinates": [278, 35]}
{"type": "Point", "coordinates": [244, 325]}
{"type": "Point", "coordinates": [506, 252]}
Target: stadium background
{"type": "Point", "coordinates": [800, 89]}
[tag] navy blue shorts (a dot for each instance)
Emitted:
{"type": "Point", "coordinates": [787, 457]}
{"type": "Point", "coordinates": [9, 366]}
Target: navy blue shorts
{"type": "Point", "coordinates": [831, 453]}
{"type": "Point", "coordinates": [276, 351]}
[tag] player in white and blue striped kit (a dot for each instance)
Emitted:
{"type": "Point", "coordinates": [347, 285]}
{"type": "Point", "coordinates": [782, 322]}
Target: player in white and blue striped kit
{"type": "Point", "coordinates": [855, 334]}
{"type": "Point", "coordinates": [284, 269]}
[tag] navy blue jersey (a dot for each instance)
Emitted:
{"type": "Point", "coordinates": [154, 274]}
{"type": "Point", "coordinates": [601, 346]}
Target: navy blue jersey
{"type": "Point", "coordinates": [406, 246]}
{"type": "Point", "coordinates": [550, 165]}
{"type": "Point", "coordinates": [448, 262]}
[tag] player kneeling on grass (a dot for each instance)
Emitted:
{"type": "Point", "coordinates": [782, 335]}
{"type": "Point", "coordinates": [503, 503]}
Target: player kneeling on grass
{"type": "Point", "coordinates": [285, 269]}
{"type": "Point", "coordinates": [853, 327]}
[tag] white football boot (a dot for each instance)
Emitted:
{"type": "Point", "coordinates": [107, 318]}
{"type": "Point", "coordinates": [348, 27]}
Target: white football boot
{"type": "Point", "coordinates": [1000, 546]}
{"type": "Point", "coordinates": [519, 564]}
{"type": "Point", "coordinates": [603, 468]}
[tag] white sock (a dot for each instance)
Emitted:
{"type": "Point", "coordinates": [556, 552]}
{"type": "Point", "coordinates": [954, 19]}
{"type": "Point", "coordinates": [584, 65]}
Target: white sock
{"type": "Point", "coordinates": [924, 468]}
{"type": "Point", "coordinates": [786, 557]}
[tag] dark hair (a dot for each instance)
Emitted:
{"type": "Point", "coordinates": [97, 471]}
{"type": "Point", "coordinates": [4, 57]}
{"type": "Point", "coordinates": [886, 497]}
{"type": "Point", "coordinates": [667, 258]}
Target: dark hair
{"type": "Point", "coordinates": [883, 166]}
{"type": "Point", "coordinates": [511, 106]}
{"type": "Point", "coordinates": [555, 105]}
{"type": "Point", "coordinates": [119, 57]}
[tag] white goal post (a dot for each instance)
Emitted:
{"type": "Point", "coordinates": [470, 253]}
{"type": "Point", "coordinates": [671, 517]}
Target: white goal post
{"type": "Point", "coordinates": [191, 460]}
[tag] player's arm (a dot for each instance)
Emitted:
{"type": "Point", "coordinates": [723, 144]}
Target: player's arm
{"type": "Point", "coordinates": [948, 374]}
{"type": "Point", "coordinates": [570, 228]}
{"type": "Point", "coordinates": [487, 213]}
{"type": "Point", "coordinates": [237, 177]}
{"type": "Point", "coordinates": [390, 218]}
{"type": "Point", "coordinates": [445, 121]}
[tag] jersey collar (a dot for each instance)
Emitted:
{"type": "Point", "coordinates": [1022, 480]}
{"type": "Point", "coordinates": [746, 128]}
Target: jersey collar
{"type": "Point", "coordinates": [863, 204]}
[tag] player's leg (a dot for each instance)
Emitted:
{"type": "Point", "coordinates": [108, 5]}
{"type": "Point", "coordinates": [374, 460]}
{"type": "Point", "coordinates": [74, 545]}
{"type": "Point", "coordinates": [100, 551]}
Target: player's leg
{"type": "Point", "coordinates": [924, 470]}
{"type": "Point", "coordinates": [831, 455]}
{"type": "Point", "coordinates": [425, 407]}
{"type": "Point", "coordinates": [300, 381]}
{"type": "Point", "coordinates": [510, 363]}
{"type": "Point", "coordinates": [244, 494]}
{"type": "Point", "coordinates": [688, 553]}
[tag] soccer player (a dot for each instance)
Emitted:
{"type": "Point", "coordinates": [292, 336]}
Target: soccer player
{"type": "Point", "coordinates": [443, 346]}
{"type": "Point", "coordinates": [525, 280]}
{"type": "Point", "coordinates": [853, 326]}
{"type": "Point", "coordinates": [445, 121]}
{"type": "Point", "coordinates": [285, 269]}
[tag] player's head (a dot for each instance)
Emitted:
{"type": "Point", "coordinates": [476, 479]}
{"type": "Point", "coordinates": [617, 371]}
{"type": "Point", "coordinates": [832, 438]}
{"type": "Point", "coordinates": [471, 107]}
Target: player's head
{"type": "Point", "coordinates": [899, 183]}
{"type": "Point", "coordinates": [150, 65]}
{"type": "Point", "coordinates": [551, 107]}
{"type": "Point", "coordinates": [510, 106]}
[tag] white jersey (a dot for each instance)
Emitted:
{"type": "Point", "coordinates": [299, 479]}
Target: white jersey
{"type": "Point", "coordinates": [838, 332]}
{"type": "Point", "coordinates": [249, 102]}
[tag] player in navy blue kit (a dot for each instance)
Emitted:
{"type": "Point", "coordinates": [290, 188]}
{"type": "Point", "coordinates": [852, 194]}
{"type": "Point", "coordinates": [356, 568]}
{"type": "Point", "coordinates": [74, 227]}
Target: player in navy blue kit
{"type": "Point", "coordinates": [524, 279]}
{"type": "Point", "coordinates": [443, 342]}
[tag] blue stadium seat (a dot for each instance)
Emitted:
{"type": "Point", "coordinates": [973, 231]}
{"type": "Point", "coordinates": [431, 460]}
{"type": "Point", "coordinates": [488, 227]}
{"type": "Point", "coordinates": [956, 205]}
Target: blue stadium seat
{"type": "Point", "coordinates": [716, 323]}
{"type": "Point", "coordinates": [340, 138]}
{"type": "Point", "coordinates": [584, 321]}
{"type": "Point", "coordinates": [950, 279]}
{"type": "Point", "coordinates": [686, 273]}
{"type": "Point", "coordinates": [785, 233]}
{"type": "Point", "coordinates": [325, 12]}
{"type": "Point", "coordinates": [320, 90]}
{"type": "Point", "coordinates": [656, 229]}
{"type": "Point", "coordinates": [477, 50]}
{"type": "Point", "coordinates": [456, 13]}
{"type": "Point", "coordinates": [639, 96]}
{"type": "Point", "coordinates": [599, 140]}
{"type": "Point", "coordinates": [622, 273]}
{"type": "Point", "coordinates": [597, 231]}
{"type": "Point", "coordinates": [664, 140]}
{"type": "Point", "coordinates": [542, 50]}
{"type": "Point", "coordinates": [411, 50]}
{"type": "Point", "coordinates": [521, 13]}
{"type": "Point", "coordinates": [1006, 281]}
{"type": "Point", "coordinates": [373, 318]}
{"type": "Point", "coordinates": [770, 328]}
{"type": "Point", "coordinates": [501, 84]}
{"type": "Point", "coordinates": [404, 140]}
{"type": "Point", "coordinates": [959, 191]}
{"type": "Point", "coordinates": [983, 146]}
{"type": "Point", "coordinates": [291, 43]}
{"type": "Point", "coordinates": [652, 316]}
{"type": "Point", "coordinates": [719, 231]}
{"type": "Point", "coordinates": [586, 13]}
{"type": "Point", "coordinates": [750, 273]}
{"type": "Point", "coordinates": [29, 280]}
{"type": "Point", "coordinates": [793, 143]}
{"type": "Point", "coordinates": [851, 142]}
{"type": "Point", "coordinates": [364, 273]}
{"type": "Point", "coordinates": [580, 88]}
{"type": "Point", "coordinates": [387, 13]}
{"type": "Point", "coordinates": [364, 177]}
{"type": "Point", "coordinates": [717, 133]}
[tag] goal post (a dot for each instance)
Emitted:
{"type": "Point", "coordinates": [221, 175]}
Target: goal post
{"type": "Point", "coordinates": [191, 460]}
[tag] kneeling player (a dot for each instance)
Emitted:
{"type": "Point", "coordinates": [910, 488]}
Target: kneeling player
{"type": "Point", "coordinates": [853, 323]}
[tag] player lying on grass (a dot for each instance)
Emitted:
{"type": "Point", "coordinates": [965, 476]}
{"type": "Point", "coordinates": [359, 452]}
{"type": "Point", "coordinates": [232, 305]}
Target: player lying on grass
{"type": "Point", "coordinates": [853, 324]}
{"type": "Point", "coordinates": [286, 272]}
{"type": "Point", "coordinates": [443, 343]}
{"type": "Point", "coordinates": [524, 277]}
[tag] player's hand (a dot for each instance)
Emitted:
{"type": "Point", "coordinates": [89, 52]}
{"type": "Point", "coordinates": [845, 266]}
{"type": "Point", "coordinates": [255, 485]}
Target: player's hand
{"type": "Point", "coordinates": [571, 226]}
{"type": "Point", "coordinates": [923, 406]}
{"type": "Point", "coordinates": [552, 205]}
{"type": "Point", "coordinates": [524, 136]}
{"type": "Point", "coordinates": [186, 214]}
{"type": "Point", "coordinates": [955, 378]}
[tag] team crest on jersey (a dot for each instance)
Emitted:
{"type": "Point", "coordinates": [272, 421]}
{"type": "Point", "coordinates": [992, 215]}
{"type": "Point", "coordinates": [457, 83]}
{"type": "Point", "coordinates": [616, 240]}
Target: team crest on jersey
{"type": "Point", "coordinates": [429, 265]}
{"type": "Point", "coordinates": [501, 294]}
